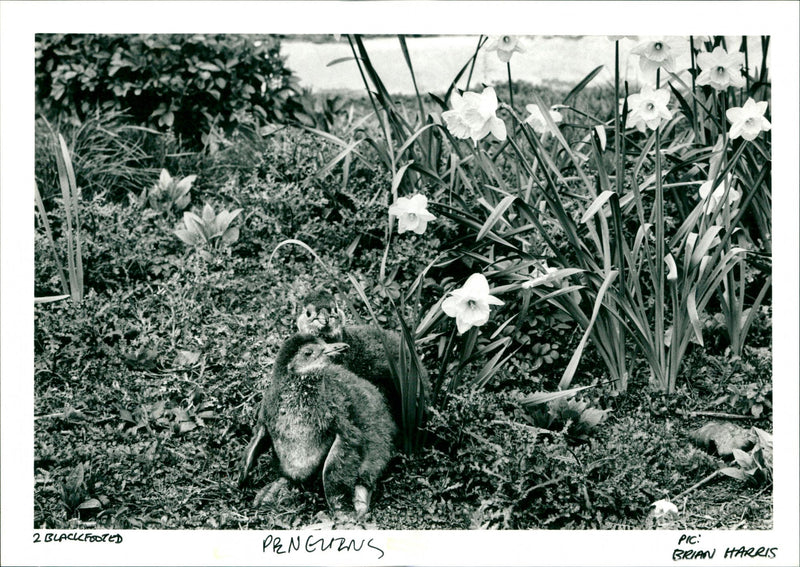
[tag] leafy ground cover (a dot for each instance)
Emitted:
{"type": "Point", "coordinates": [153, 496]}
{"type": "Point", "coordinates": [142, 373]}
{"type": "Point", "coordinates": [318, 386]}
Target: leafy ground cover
{"type": "Point", "coordinates": [635, 305]}
{"type": "Point", "coordinates": [146, 391]}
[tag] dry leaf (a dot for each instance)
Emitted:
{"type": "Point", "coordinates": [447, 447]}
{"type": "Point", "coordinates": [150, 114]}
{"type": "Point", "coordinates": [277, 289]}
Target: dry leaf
{"type": "Point", "coordinates": [723, 437]}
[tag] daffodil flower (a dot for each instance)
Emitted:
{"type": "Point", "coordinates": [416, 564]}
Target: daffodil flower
{"type": "Point", "coordinates": [537, 121]}
{"type": "Point", "coordinates": [653, 54]}
{"type": "Point", "coordinates": [699, 41]}
{"type": "Point", "coordinates": [412, 213]}
{"type": "Point", "coordinates": [470, 304]}
{"type": "Point", "coordinates": [648, 107]}
{"type": "Point", "coordinates": [664, 508]}
{"type": "Point", "coordinates": [748, 121]}
{"type": "Point", "coordinates": [473, 116]}
{"type": "Point", "coordinates": [540, 276]}
{"type": "Point", "coordinates": [714, 199]}
{"type": "Point", "coordinates": [720, 69]}
{"type": "Point", "coordinates": [505, 45]}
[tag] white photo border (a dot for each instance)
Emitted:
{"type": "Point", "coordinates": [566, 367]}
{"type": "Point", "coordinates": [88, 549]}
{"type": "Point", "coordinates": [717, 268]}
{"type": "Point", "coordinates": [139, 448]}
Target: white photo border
{"type": "Point", "coordinates": [20, 21]}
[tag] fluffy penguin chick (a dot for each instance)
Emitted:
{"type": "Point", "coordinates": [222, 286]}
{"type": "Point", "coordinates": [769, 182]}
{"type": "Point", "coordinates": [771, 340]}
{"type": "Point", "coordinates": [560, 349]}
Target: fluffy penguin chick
{"type": "Point", "coordinates": [366, 356]}
{"type": "Point", "coordinates": [320, 315]}
{"type": "Point", "coordinates": [320, 415]}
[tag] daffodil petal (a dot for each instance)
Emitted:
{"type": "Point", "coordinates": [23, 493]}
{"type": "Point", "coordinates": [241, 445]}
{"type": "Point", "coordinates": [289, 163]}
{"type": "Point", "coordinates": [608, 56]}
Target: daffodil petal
{"type": "Point", "coordinates": [492, 300]}
{"type": "Point", "coordinates": [498, 128]}
{"type": "Point", "coordinates": [451, 306]}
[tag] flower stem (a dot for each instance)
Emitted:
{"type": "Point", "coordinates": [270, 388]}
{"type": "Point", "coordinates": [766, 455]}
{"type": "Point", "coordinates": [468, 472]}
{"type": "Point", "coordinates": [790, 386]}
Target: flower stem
{"type": "Point", "coordinates": [659, 266]}
{"type": "Point", "coordinates": [510, 89]}
{"type": "Point", "coordinates": [659, 259]}
{"type": "Point", "coordinates": [746, 63]}
{"type": "Point", "coordinates": [694, 89]}
{"type": "Point", "coordinates": [622, 383]}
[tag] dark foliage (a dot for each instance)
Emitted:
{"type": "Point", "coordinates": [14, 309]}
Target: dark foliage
{"type": "Point", "coordinates": [194, 84]}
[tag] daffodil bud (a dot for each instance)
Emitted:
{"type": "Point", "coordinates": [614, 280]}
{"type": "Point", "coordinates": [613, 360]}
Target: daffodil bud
{"type": "Point", "coordinates": [673, 269]}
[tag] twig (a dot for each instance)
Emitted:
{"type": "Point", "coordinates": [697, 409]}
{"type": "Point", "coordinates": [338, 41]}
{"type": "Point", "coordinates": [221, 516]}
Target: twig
{"type": "Point", "coordinates": [699, 484]}
{"type": "Point", "coordinates": [720, 415]}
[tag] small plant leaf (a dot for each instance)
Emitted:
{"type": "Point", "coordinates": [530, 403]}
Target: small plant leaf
{"type": "Point", "coordinates": [743, 460]}
{"type": "Point", "coordinates": [193, 223]}
{"type": "Point", "coordinates": [734, 472]}
{"type": "Point", "coordinates": [185, 184]}
{"type": "Point", "coordinates": [186, 426]}
{"type": "Point", "coordinates": [230, 236]}
{"type": "Point", "coordinates": [593, 417]}
{"type": "Point", "coordinates": [208, 214]}
{"type": "Point", "coordinates": [190, 238]}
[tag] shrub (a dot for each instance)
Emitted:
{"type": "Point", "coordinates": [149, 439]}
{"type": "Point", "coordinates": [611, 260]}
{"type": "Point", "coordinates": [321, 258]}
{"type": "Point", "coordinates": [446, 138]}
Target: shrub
{"type": "Point", "coordinates": [194, 84]}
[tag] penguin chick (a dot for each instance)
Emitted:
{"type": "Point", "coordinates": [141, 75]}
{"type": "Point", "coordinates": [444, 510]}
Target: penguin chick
{"type": "Point", "coordinates": [366, 355]}
{"type": "Point", "coordinates": [320, 315]}
{"type": "Point", "coordinates": [320, 416]}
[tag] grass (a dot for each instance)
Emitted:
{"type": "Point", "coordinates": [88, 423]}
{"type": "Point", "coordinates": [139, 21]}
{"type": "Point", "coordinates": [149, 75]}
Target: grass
{"type": "Point", "coordinates": [146, 391]}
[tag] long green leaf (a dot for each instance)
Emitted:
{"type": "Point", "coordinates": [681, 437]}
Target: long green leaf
{"type": "Point", "coordinates": [398, 178]}
{"type": "Point", "coordinates": [66, 178]}
{"type": "Point", "coordinates": [596, 205]}
{"type": "Point", "coordinates": [339, 157]}
{"type": "Point", "coordinates": [544, 397]}
{"type": "Point", "coordinates": [694, 317]}
{"type": "Point", "coordinates": [705, 243]}
{"type": "Point", "coordinates": [495, 216]}
{"type": "Point", "coordinates": [582, 84]}
{"type": "Point", "coordinates": [302, 245]}
{"type": "Point", "coordinates": [569, 372]}
{"type": "Point", "coordinates": [407, 57]}
{"type": "Point", "coordinates": [50, 239]}
{"type": "Point", "coordinates": [754, 310]}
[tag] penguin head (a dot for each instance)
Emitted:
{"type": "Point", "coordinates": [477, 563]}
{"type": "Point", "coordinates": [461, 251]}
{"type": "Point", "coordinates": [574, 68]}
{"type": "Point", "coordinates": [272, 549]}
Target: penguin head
{"type": "Point", "coordinates": [320, 315]}
{"type": "Point", "coordinates": [302, 354]}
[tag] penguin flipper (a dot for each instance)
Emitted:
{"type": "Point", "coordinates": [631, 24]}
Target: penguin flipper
{"type": "Point", "coordinates": [255, 448]}
{"type": "Point", "coordinates": [339, 472]}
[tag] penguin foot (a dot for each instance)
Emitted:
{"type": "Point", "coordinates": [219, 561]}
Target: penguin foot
{"type": "Point", "coordinates": [336, 504]}
{"type": "Point", "coordinates": [361, 498]}
{"type": "Point", "coordinates": [273, 492]}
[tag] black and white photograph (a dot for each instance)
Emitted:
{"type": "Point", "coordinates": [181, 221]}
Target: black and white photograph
{"type": "Point", "coordinates": [414, 294]}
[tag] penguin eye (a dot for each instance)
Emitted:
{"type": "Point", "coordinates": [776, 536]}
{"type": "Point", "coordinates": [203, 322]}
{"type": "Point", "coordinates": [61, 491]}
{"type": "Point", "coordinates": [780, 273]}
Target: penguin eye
{"type": "Point", "coordinates": [309, 312]}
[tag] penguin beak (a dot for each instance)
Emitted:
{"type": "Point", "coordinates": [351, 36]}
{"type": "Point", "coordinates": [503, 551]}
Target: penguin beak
{"type": "Point", "coordinates": [332, 349]}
